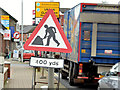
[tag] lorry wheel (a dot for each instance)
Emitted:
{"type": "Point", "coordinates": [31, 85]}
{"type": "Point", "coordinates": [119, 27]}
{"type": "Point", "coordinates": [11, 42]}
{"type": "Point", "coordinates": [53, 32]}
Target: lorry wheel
{"type": "Point", "coordinates": [71, 79]}
{"type": "Point", "coordinates": [55, 70]}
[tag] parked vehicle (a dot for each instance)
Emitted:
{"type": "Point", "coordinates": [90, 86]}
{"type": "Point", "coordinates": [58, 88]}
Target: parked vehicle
{"type": "Point", "coordinates": [112, 79]}
{"type": "Point", "coordinates": [115, 68]}
{"type": "Point", "coordinates": [27, 55]}
{"type": "Point", "coordinates": [92, 30]}
{"type": "Point", "coordinates": [102, 74]}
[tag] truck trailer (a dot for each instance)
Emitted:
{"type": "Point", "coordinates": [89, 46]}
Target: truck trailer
{"type": "Point", "coordinates": [94, 35]}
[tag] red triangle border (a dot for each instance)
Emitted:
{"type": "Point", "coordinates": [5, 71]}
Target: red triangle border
{"type": "Point", "coordinates": [51, 49]}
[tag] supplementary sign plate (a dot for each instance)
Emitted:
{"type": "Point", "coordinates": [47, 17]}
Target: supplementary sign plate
{"type": "Point", "coordinates": [45, 62]}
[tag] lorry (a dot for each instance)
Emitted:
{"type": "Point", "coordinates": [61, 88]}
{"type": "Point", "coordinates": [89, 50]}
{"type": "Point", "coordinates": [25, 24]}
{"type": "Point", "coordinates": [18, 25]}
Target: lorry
{"type": "Point", "coordinates": [94, 35]}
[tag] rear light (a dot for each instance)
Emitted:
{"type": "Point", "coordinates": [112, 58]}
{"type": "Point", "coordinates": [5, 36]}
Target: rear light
{"type": "Point", "coordinates": [80, 68]}
{"type": "Point", "coordinates": [80, 64]}
{"type": "Point", "coordinates": [80, 71]}
{"type": "Point", "coordinates": [97, 78]}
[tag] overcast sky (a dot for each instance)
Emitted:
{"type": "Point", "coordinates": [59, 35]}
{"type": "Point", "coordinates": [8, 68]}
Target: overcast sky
{"type": "Point", "coordinates": [13, 7]}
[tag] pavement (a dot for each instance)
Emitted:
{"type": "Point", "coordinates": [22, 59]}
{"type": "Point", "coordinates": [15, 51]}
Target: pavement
{"type": "Point", "coordinates": [21, 76]}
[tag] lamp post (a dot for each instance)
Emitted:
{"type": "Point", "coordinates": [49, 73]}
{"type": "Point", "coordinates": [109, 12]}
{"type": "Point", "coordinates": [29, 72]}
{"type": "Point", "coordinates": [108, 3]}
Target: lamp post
{"type": "Point", "coordinates": [22, 30]}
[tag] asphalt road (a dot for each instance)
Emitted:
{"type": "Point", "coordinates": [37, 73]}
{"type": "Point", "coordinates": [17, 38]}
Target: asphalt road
{"type": "Point", "coordinates": [76, 87]}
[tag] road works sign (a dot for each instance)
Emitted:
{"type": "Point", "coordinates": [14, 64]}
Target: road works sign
{"type": "Point", "coordinates": [45, 62]}
{"type": "Point", "coordinates": [48, 36]}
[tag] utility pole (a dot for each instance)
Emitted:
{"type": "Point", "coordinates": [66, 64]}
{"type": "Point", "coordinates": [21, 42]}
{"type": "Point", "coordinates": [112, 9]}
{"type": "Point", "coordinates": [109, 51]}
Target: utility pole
{"type": "Point", "coordinates": [22, 30]}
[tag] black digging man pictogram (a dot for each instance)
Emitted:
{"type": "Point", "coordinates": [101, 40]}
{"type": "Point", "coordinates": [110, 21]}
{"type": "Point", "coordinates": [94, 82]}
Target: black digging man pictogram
{"type": "Point", "coordinates": [51, 34]}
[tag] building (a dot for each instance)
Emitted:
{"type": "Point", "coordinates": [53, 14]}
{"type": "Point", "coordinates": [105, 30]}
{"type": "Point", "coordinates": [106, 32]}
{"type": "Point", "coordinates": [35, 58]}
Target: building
{"type": "Point", "coordinates": [2, 42]}
{"type": "Point", "coordinates": [9, 22]}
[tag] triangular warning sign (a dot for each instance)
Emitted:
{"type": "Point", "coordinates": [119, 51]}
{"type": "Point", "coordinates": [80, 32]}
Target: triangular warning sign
{"type": "Point", "coordinates": [48, 36]}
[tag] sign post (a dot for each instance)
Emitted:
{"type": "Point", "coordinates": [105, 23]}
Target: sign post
{"type": "Point", "coordinates": [50, 78]}
{"type": "Point", "coordinates": [48, 36]}
{"type": "Point", "coordinates": [45, 62]}
{"type": "Point", "coordinates": [58, 78]}
{"type": "Point", "coordinates": [34, 78]}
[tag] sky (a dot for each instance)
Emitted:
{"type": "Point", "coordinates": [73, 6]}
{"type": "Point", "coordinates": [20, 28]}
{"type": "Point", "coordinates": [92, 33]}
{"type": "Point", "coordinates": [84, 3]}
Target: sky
{"type": "Point", "coordinates": [13, 7]}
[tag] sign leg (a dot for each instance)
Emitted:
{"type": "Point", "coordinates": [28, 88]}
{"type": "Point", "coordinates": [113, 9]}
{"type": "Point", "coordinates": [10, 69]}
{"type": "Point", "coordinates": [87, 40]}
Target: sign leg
{"type": "Point", "coordinates": [50, 78]}
{"type": "Point", "coordinates": [34, 78]}
{"type": "Point", "coordinates": [58, 79]}
{"type": "Point", "coordinates": [43, 77]}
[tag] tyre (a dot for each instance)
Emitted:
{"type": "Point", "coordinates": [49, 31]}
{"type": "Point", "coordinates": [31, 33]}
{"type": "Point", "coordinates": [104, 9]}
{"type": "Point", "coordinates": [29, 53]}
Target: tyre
{"type": "Point", "coordinates": [71, 79]}
{"type": "Point", "coordinates": [55, 70]}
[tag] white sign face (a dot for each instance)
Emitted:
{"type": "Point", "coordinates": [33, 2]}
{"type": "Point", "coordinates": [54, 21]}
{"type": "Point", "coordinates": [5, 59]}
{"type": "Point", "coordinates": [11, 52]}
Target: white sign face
{"type": "Point", "coordinates": [15, 53]}
{"type": "Point", "coordinates": [45, 62]}
{"type": "Point", "coordinates": [16, 40]}
{"type": "Point", "coordinates": [7, 35]}
{"type": "Point", "coordinates": [48, 37]}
